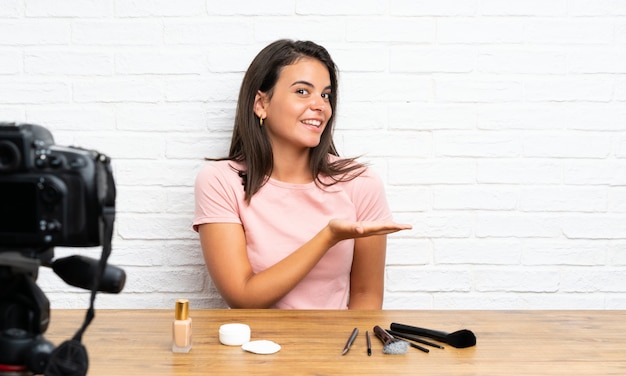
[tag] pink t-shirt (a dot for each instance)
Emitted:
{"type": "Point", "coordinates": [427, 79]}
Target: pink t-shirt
{"type": "Point", "coordinates": [281, 217]}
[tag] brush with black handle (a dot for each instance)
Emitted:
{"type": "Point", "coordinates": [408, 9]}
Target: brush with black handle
{"type": "Point", "coordinates": [459, 339]}
{"type": "Point", "coordinates": [414, 338]}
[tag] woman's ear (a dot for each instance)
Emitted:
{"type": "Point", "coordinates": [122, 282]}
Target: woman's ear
{"type": "Point", "coordinates": [260, 104]}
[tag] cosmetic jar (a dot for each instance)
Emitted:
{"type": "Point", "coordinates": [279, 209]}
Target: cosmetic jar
{"type": "Point", "coordinates": [234, 334]}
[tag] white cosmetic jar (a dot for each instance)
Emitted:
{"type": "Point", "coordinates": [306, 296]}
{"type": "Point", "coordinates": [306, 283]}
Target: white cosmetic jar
{"type": "Point", "coordinates": [234, 334]}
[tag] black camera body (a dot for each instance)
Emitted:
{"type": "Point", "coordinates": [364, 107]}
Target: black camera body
{"type": "Point", "coordinates": [50, 196]}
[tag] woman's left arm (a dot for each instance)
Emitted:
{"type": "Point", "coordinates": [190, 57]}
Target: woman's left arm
{"type": "Point", "coordinates": [367, 278]}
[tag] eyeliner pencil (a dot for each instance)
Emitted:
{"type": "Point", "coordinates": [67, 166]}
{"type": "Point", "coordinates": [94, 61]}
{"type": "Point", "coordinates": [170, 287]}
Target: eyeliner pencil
{"type": "Point", "coordinates": [369, 343]}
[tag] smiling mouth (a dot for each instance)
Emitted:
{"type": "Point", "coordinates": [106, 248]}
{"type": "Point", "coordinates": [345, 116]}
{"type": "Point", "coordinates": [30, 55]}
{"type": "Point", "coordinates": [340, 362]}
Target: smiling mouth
{"type": "Point", "coordinates": [315, 123]}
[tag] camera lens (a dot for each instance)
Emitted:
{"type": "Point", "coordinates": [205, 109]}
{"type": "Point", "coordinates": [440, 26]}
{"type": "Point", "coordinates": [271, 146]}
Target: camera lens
{"type": "Point", "coordinates": [10, 156]}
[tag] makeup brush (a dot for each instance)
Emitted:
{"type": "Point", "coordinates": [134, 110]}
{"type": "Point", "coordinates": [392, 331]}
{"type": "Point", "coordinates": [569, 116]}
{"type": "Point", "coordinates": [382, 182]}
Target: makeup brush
{"type": "Point", "coordinates": [391, 345]}
{"type": "Point", "coordinates": [459, 339]}
{"type": "Point", "coordinates": [413, 338]}
{"type": "Point", "coordinates": [355, 332]}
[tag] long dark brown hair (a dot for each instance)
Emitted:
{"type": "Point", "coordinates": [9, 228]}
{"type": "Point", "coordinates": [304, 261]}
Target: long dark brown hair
{"type": "Point", "coordinates": [250, 143]}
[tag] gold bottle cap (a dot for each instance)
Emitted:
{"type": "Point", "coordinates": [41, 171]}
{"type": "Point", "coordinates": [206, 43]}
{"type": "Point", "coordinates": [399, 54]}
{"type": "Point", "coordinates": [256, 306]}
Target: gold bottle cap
{"type": "Point", "coordinates": [182, 309]}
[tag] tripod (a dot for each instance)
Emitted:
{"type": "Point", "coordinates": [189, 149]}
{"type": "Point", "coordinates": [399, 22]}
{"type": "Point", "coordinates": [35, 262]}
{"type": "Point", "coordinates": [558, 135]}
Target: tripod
{"type": "Point", "coordinates": [24, 316]}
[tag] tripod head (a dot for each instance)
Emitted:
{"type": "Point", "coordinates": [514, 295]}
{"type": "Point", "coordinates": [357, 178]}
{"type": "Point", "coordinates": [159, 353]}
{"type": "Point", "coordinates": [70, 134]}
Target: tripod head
{"type": "Point", "coordinates": [25, 310]}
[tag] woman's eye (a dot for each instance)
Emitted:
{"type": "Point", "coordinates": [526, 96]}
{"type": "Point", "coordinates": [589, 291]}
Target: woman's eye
{"type": "Point", "coordinates": [302, 91]}
{"type": "Point", "coordinates": [326, 96]}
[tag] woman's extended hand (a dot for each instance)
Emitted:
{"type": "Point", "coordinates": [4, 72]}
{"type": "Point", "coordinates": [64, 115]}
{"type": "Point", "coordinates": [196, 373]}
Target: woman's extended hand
{"type": "Point", "coordinates": [345, 229]}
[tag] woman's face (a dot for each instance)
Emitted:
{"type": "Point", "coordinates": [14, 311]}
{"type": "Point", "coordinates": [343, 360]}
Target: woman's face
{"type": "Point", "coordinates": [299, 109]}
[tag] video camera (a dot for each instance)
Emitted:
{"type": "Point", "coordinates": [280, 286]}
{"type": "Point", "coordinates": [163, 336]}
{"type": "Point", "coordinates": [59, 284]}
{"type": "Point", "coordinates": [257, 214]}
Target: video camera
{"type": "Point", "coordinates": [49, 196]}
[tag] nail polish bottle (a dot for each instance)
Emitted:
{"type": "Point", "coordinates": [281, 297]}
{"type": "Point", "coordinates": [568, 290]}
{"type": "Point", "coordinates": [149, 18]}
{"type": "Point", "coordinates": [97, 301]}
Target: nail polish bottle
{"type": "Point", "coordinates": [181, 328]}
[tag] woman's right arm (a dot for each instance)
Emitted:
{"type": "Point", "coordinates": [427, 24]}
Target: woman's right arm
{"type": "Point", "coordinates": [224, 249]}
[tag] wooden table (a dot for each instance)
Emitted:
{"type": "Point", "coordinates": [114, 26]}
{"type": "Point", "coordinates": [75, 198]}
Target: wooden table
{"type": "Point", "coordinates": [138, 342]}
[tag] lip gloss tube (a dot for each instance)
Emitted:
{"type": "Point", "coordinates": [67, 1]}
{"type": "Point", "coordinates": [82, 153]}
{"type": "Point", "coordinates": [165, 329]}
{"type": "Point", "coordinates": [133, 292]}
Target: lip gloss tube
{"type": "Point", "coordinates": [181, 328]}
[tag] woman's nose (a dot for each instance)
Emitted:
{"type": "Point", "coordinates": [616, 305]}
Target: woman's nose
{"type": "Point", "coordinates": [318, 103]}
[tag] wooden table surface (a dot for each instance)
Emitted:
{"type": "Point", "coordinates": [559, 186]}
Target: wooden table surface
{"type": "Point", "coordinates": [138, 342]}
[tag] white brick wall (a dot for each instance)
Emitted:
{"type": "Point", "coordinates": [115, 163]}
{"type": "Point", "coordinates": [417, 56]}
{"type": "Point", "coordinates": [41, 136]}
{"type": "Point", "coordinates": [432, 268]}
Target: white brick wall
{"type": "Point", "coordinates": [498, 126]}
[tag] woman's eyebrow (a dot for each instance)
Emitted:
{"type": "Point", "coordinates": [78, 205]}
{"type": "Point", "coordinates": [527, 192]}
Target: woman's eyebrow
{"type": "Point", "coordinates": [307, 83]}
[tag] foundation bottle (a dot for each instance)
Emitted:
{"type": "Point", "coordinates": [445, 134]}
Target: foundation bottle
{"type": "Point", "coordinates": [181, 328]}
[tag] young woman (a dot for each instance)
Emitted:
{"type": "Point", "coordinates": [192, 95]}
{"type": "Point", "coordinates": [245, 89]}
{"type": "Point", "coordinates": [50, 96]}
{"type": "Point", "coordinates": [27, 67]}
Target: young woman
{"type": "Point", "coordinates": [283, 221]}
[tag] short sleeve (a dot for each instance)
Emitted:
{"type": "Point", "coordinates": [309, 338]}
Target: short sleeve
{"type": "Point", "coordinates": [369, 197]}
{"type": "Point", "coordinates": [217, 190]}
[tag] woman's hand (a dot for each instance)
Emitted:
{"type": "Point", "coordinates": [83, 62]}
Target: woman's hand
{"type": "Point", "coordinates": [343, 229]}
